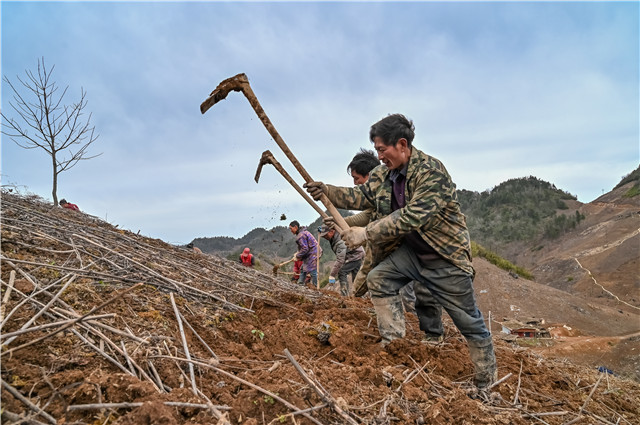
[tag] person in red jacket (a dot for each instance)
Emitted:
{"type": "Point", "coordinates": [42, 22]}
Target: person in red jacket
{"type": "Point", "coordinates": [246, 258]}
{"type": "Point", "coordinates": [67, 205]}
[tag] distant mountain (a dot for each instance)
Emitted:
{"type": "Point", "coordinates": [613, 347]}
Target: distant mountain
{"type": "Point", "coordinates": [520, 209]}
{"type": "Point", "coordinates": [600, 258]}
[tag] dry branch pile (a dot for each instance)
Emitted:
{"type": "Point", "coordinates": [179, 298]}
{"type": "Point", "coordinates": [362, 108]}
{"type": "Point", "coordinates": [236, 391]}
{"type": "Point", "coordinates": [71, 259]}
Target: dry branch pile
{"type": "Point", "coordinates": [102, 326]}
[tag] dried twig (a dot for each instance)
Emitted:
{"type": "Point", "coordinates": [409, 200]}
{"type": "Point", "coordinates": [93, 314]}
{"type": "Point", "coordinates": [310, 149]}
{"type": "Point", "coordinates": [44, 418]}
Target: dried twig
{"type": "Point", "coordinates": [500, 381]}
{"type": "Point", "coordinates": [18, 419]}
{"type": "Point", "coordinates": [84, 316]}
{"type": "Point", "coordinates": [98, 406]}
{"type": "Point", "coordinates": [580, 412]}
{"type": "Point", "coordinates": [53, 325]}
{"type": "Point", "coordinates": [43, 310]}
{"type": "Point", "coordinates": [194, 387]}
{"type": "Point", "coordinates": [199, 338]}
{"type": "Point", "coordinates": [27, 403]}
{"type": "Point", "coordinates": [247, 383]}
{"type": "Point", "coordinates": [324, 395]}
{"type": "Point", "coordinates": [7, 294]}
{"type": "Point", "coordinates": [515, 396]}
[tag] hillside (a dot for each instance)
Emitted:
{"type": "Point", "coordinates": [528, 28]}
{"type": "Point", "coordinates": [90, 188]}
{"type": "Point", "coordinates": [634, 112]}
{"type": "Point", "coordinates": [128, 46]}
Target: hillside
{"type": "Point", "coordinates": [520, 209]}
{"type": "Point", "coordinates": [110, 320]}
{"type": "Point", "coordinates": [598, 258]}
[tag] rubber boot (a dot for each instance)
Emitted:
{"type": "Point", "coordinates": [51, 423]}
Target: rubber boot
{"type": "Point", "coordinates": [484, 360]}
{"type": "Point", "coordinates": [390, 314]}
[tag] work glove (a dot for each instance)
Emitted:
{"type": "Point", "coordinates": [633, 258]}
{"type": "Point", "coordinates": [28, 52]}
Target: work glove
{"type": "Point", "coordinates": [316, 189]}
{"type": "Point", "coordinates": [329, 222]}
{"type": "Point", "coordinates": [332, 280]}
{"type": "Point", "coordinates": [354, 237]}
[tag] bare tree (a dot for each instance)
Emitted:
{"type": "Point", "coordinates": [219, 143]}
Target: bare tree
{"type": "Point", "coordinates": [44, 122]}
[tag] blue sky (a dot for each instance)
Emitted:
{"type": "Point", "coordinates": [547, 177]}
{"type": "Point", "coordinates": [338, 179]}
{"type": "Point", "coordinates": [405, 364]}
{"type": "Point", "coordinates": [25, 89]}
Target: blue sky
{"type": "Point", "coordinates": [497, 90]}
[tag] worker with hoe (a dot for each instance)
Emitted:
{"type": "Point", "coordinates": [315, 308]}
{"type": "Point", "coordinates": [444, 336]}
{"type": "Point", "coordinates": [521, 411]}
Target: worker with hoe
{"type": "Point", "coordinates": [428, 310]}
{"type": "Point", "coordinates": [307, 252]}
{"type": "Point", "coordinates": [417, 233]}
{"type": "Point", "coordinates": [348, 261]}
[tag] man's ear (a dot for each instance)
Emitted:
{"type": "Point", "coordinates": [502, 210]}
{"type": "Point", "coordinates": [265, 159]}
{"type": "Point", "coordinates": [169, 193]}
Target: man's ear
{"type": "Point", "coordinates": [402, 143]}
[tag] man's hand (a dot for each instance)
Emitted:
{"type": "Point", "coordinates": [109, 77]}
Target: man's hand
{"type": "Point", "coordinates": [315, 189]}
{"type": "Point", "coordinates": [329, 222]}
{"type": "Point", "coordinates": [332, 280]}
{"type": "Point", "coordinates": [354, 237]}
{"type": "Point", "coordinates": [295, 256]}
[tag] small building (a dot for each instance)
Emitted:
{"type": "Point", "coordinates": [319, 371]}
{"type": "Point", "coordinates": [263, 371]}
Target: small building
{"type": "Point", "coordinates": [522, 330]}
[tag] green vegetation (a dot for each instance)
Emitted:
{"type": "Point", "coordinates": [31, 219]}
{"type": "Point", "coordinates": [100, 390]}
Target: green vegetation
{"type": "Point", "coordinates": [493, 258]}
{"type": "Point", "coordinates": [634, 191]}
{"type": "Point", "coordinates": [517, 210]}
{"type": "Point", "coordinates": [257, 333]}
{"type": "Point", "coordinates": [269, 400]}
{"type": "Point", "coordinates": [633, 176]}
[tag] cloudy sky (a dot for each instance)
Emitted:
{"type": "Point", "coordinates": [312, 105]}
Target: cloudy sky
{"type": "Point", "coordinates": [497, 90]}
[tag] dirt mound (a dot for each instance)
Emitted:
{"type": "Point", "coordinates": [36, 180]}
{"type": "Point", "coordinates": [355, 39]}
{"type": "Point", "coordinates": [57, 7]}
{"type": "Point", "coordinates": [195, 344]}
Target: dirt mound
{"type": "Point", "coordinates": [105, 321]}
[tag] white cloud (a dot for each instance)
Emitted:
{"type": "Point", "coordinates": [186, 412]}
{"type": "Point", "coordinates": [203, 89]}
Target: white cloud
{"type": "Point", "coordinates": [496, 91]}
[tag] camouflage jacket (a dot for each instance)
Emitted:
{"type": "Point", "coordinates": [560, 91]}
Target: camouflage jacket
{"type": "Point", "coordinates": [432, 209]}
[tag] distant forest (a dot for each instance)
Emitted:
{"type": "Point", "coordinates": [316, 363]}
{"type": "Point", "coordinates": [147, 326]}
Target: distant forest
{"type": "Point", "coordinates": [520, 209]}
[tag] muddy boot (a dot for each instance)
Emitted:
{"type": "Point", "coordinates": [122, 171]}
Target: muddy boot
{"type": "Point", "coordinates": [390, 314]}
{"type": "Point", "coordinates": [484, 360]}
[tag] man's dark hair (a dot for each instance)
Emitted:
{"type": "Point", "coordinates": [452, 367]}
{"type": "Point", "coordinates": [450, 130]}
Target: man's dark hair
{"type": "Point", "coordinates": [363, 162]}
{"type": "Point", "coordinates": [393, 128]}
{"type": "Point", "coordinates": [294, 223]}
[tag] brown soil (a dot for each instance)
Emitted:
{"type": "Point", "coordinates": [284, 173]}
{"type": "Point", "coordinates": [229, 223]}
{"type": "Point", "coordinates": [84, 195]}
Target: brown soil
{"type": "Point", "coordinates": [250, 322]}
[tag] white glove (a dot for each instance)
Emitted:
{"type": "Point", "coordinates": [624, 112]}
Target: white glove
{"type": "Point", "coordinates": [315, 189]}
{"type": "Point", "coordinates": [355, 237]}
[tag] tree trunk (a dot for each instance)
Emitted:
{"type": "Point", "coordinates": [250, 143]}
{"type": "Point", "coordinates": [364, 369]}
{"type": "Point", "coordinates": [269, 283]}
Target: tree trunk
{"type": "Point", "coordinates": [54, 191]}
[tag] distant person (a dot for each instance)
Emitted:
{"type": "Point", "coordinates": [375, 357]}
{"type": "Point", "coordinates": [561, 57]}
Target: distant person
{"type": "Point", "coordinates": [246, 258]}
{"type": "Point", "coordinates": [68, 205]}
{"type": "Point", "coordinates": [194, 248]}
{"type": "Point", "coordinates": [307, 252]}
{"type": "Point", "coordinates": [348, 261]}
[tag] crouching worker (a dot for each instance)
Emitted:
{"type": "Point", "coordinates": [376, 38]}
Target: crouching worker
{"type": "Point", "coordinates": [246, 258]}
{"type": "Point", "coordinates": [68, 205]}
{"type": "Point", "coordinates": [418, 226]}
{"type": "Point", "coordinates": [348, 261]}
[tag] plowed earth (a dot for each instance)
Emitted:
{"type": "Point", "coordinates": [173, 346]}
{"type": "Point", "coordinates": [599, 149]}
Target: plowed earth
{"type": "Point", "coordinates": [263, 350]}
